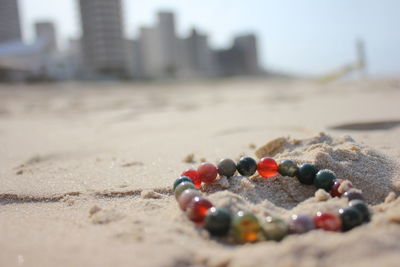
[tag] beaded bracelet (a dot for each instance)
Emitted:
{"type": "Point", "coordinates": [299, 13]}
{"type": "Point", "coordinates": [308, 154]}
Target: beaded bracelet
{"type": "Point", "coordinates": [244, 226]}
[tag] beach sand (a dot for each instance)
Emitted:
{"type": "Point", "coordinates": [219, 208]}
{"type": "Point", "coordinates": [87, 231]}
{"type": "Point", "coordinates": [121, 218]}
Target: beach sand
{"type": "Point", "coordinates": [86, 170]}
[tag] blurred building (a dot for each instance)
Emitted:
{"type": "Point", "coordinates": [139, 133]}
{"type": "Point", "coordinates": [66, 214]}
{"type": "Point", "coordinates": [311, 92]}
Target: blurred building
{"type": "Point", "coordinates": [10, 28]}
{"type": "Point", "coordinates": [103, 42]}
{"type": "Point", "coordinates": [45, 32]}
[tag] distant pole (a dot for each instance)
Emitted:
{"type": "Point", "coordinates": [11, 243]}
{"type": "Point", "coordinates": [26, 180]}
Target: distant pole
{"type": "Point", "coordinates": [361, 58]}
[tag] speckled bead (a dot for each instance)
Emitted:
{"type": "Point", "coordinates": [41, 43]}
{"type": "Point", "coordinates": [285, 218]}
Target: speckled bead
{"type": "Point", "coordinates": [362, 207]}
{"type": "Point", "coordinates": [226, 167]}
{"type": "Point", "coordinates": [300, 223]}
{"type": "Point", "coordinates": [182, 179]}
{"type": "Point", "coordinates": [182, 187]}
{"type": "Point", "coordinates": [267, 167]}
{"type": "Point", "coordinates": [246, 166]}
{"type": "Point", "coordinates": [325, 179]}
{"type": "Point", "coordinates": [275, 228]}
{"type": "Point", "coordinates": [217, 221]}
{"type": "Point", "coordinates": [246, 228]}
{"type": "Point", "coordinates": [194, 175]}
{"type": "Point", "coordinates": [353, 194]}
{"type": "Point", "coordinates": [207, 172]}
{"type": "Point", "coordinates": [288, 168]}
{"type": "Point", "coordinates": [351, 218]}
{"type": "Point", "coordinates": [306, 173]}
{"type": "Point", "coordinates": [187, 196]}
{"type": "Point", "coordinates": [197, 209]}
{"type": "Point", "coordinates": [328, 221]}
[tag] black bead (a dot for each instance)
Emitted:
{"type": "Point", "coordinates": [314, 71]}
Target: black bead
{"type": "Point", "coordinates": [362, 208]}
{"type": "Point", "coordinates": [226, 167]}
{"type": "Point", "coordinates": [182, 179]}
{"type": "Point", "coordinates": [218, 221]}
{"type": "Point", "coordinates": [306, 174]}
{"type": "Point", "coordinates": [246, 166]}
{"type": "Point", "coordinates": [351, 218]}
{"type": "Point", "coordinates": [288, 168]}
{"type": "Point", "coordinates": [325, 179]}
{"type": "Point", "coordinates": [353, 194]}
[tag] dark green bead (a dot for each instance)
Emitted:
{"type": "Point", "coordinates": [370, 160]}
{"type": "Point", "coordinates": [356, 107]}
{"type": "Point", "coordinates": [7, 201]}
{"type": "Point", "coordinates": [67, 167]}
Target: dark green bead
{"type": "Point", "coordinates": [226, 167]}
{"type": "Point", "coordinates": [218, 221]}
{"type": "Point", "coordinates": [246, 166]}
{"type": "Point", "coordinates": [325, 179]}
{"type": "Point", "coordinates": [182, 187]}
{"type": "Point", "coordinates": [182, 179]}
{"type": "Point", "coordinates": [288, 168]}
{"type": "Point", "coordinates": [362, 208]}
{"type": "Point", "coordinates": [351, 218]}
{"type": "Point", "coordinates": [306, 174]}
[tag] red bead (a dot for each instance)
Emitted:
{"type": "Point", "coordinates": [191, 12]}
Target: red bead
{"type": "Point", "coordinates": [207, 172]}
{"type": "Point", "coordinates": [328, 221]}
{"type": "Point", "coordinates": [198, 208]}
{"type": "Point", "coordinates": [267, 167]}
{"type": "Point", "coordinates": [335, 188]}
{"type": "Point", "coordinates": [194, 175]}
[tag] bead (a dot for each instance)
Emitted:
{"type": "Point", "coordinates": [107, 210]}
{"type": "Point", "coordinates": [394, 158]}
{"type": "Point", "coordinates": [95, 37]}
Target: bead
{"type": "Point", "coordinates": [336, 185]}
{"type": "Point", "coordinates": [187, 196]}
{"type": "Point", "coordinates": [362, 208]}
{"type": "Point", "coordinates": [325, 179]}
{"type": "Point", "coordinates": [306, 174]}
{"type": "Point", "coordinates": [217, 221]}
{"type": "Point", "coordinates": [194, 175]}
{"type": "Point", "coordinates": [351, 218]}
{"type": "Point", "coordinates": [182, 179]}
{"type": "Point", "coordinates": [275, 228]}
{"type": "Point", "coordinates": [197, 209]}
{"type": "Point", "coordinates": [182, 187]}
{"type": "Point", "coordinates": [328, 221]}
{"type": "Point", "coordinates": [353, 194]}
{"type": "Point", "coordinates": [246, 166]}
{"type": "Point", "coordinates": [288, 168]}
{"type": "Point", "coordinates": [246, 228]}
{"type": "Point", "coordinates": [226, 167]}
{"type": "Point", "coordinates": [267, 167]}
{"type": "Point", "coordinates": [300, 223]}
{"type": "Point", "coordinates": [207, 172]}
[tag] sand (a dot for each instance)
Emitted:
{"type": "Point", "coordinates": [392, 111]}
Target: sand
{"type": "Point", "coordinates": [86, 170]}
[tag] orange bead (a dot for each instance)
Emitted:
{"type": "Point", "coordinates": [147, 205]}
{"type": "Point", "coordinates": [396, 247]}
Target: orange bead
{"type": "Point", "coordinates": [194, 175]}
{"type": "Point", "coordinates": [267, 167]}
{"type": "Point", "coordinates": [197, 209]}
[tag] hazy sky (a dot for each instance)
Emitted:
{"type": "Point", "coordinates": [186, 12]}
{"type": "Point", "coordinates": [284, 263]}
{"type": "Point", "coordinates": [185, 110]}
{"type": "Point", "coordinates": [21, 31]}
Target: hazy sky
{"type": "Point", "coordinates": [298, 36]}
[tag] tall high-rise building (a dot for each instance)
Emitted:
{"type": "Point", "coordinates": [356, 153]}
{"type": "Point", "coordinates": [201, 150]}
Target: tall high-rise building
{"type": "Point", "coordinates": [167, 32]}
{"type": "Point", "coordinates": [247, 45]}
{"type": "Point", "coordinates": [46, 33]}
{"type": "Point", "coordinates": [103, 42]}
{"type": "Point", "coordinates": [10, 28]}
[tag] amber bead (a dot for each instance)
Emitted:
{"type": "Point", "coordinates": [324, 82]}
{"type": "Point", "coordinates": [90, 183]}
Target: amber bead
{"type": "Point", "coordinates": [217, 221]}
{"type": "Point", "coordinates": [207, 172]}
{"type": "Point", "coordinates": [182, 187]}
{"type": "Point", "coordinates": [324, 179]}
{"type": "Point", "coordinates": [246, 228]}
{"type": "Point", "coordinates": [288, 168]}
{"type": "Point", "coordinates": [226, 167]}
{"type": "Point", "coordinates": [194, 175]}
{"type": "Point", "coordinates": [197, 209]}
{"type": "Point", "coordinates": [300, 223]}
{"type": "Point", "coordinates": [182, 179]}
{"type": "Point", "coordinates": [246, 166]}
{"type": "Point", "coordinates": [187, 196]}
{"type": "Point", "coordinates": [275, 228]}
{"type": "Point", "coordinates": [362, 208]}
{"type": "Point", "coordinates": [351, 218]}
{"type": "Point", "coordinates": [267, 167]}
{"type": "Point", "coordinates": [306, 173]}
{"type": "Point", "coordinates": [328, 221]}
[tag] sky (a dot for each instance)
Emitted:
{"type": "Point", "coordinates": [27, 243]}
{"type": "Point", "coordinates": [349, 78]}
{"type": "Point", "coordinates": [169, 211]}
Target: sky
{"type": "Point", "coordinates": [303, 37]}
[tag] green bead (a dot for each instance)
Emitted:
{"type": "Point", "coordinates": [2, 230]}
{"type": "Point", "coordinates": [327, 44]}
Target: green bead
{"type": "Point", "coordinates": [246, 228]}
{"type": "Point", "coordinates": [218, 221]}
{"type": "Point", "coordinates": [275, 228]}
{"type": "Point", "coordinates": [306, 173]}
{"type": "Point", "coordinates": [182, 187]}
{"type": "Point", "coordinates": [182, 179]}
{"type": "Point", "coordinates": [325, 179]}
{"type": "Point", "coordinates": [288, 168]}
{"type": "Point", "coordinates": [351, 218]}
{"type": "Point", "coordinates": [362, 208]}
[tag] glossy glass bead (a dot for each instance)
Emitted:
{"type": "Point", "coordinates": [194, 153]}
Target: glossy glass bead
{"type": "Point", "coordinates": [217, 221]}
{"type": "Point", "coordinates": [335, 188]}
{"type": "Point", "coordinates": [351, 218]}
{"type": "Point", "coordinates": [226, 167]}
{"type": "Point", "coordinates": [182, 187]}
{"type": "Point", "coordinates": [197, 209]}
{"type": "Point", "coordinates": [306, 173]}
{"type": "Point", "coordinates": [187, 196]}
{"type": "Point", "coordinates": [182, 179]}
{"type": "Point", "coordinates": [267, 167]}
{"type": "Point", "coordinates": [207, 172]}
{"type": "Point", "coordinates": [246, 166]}
{"type": "Point", "coordinates": [362, 207]}
{"type": "Point", "coordinates": [325, 179]}
{"type": "Point", "coordinates": [194, 175]}
{"type": "Point", "coordinates": [328, 221]}
{"type": "Point", "coordinates": [246, 228]}
{"type": "Point", "coordinates": [353, 194]}
{"type": "Point", "coordinates": [300, 223]}
{"type": "Point", "coordinates": [275, 228]}
{"type": "Point", "coordinates": [288, 168]}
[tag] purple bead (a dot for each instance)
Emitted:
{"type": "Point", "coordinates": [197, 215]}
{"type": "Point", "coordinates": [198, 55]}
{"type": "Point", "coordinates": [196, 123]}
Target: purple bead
{"type": "Point", "coordinates": [300, 223]}
{"type": "Point", "coordinates": [353, 194]}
